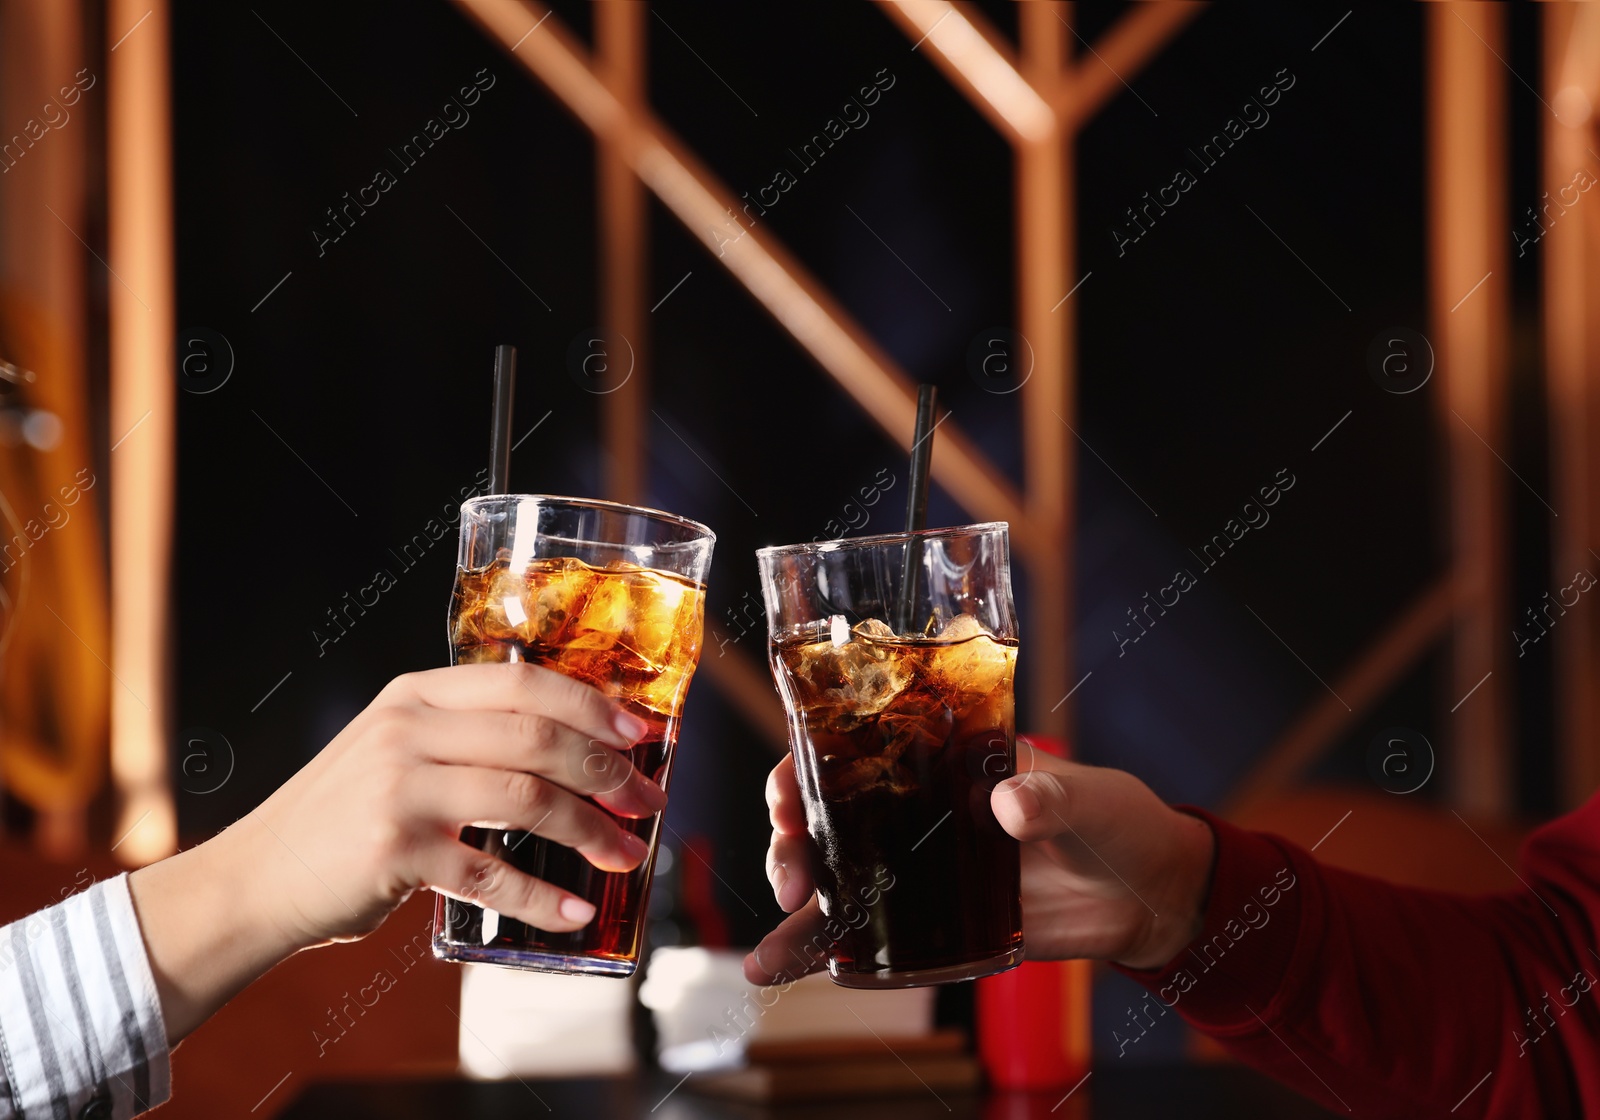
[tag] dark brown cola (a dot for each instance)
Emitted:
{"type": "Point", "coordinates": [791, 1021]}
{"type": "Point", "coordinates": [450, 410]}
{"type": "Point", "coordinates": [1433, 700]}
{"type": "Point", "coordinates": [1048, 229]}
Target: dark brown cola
{"type": "Point", "coordinates": [897, 745]}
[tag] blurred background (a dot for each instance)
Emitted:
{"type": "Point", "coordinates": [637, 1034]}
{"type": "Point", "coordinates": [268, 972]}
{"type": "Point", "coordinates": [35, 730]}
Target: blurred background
{"type": "Point", "coordinates": [1294, 300]}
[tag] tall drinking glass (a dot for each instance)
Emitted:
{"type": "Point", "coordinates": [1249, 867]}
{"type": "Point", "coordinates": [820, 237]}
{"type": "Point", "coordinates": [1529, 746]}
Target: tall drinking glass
{"type": "Point", "coordinates": [895, 655]}
{"type": "Point", "coordinates": [613, 596]}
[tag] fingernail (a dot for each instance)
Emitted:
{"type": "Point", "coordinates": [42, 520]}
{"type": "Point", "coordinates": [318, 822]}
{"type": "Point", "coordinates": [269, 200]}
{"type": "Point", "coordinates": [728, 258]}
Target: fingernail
{"type": "Point", "coordinates": [779, 876]}
{"type": "Point", "coordinates": [576, 910]}
{"type": "Point", "coordinates": [653, 796]}
{"type": "Point", "coordinates": [635, 847]}
{"type": "Point", "coordinates": [629, 726]}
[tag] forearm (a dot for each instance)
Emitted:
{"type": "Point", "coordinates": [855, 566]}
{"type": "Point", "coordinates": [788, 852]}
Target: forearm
{"type": "Point", "coordinates": [1387, 1000]}
{"type": "Point", "coordinates": [208, 926]}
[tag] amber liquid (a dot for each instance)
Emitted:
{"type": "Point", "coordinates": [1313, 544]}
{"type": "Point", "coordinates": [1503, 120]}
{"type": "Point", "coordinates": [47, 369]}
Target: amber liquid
{"type": "Point", "coordinates": [897, 746]}
{"type": "Point", "coordinates": [633, 633]}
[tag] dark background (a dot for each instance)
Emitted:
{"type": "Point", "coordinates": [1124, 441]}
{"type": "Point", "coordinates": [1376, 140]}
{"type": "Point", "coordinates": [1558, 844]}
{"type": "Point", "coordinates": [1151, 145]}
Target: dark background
{"type": "Point", "coordinates": [1210, 358]}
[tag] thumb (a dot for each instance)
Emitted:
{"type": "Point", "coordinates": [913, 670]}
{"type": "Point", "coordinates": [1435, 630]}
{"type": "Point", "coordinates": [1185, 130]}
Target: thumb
{"type": "Point", "coordinates": [1052, 797]}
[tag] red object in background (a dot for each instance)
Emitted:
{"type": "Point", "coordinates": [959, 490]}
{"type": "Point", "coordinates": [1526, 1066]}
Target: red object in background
{"type": "Point", "coordinates": [1033, 1022]}
{"type": "Point", "coordinates": [698, 892]}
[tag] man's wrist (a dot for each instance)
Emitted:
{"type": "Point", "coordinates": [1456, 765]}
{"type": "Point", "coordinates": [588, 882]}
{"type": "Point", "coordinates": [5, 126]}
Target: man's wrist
{"type": "Point", "coordinates": [1180, 906]}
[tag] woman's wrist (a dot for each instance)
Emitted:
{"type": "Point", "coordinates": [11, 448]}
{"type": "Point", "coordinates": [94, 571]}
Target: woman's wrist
{"type": "Point", "coordinates": [209, 926]}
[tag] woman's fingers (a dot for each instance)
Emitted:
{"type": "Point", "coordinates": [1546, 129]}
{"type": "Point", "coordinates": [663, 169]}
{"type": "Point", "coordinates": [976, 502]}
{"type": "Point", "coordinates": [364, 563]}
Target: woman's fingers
{"type": "Point", "coordinates": [798, 946]}
{"type": "Point", "coordinates": [454, 796]}
{"type": "Point", "coordinates": [464, 873]}
{"type": "Point", "coordinates": [539, 746]}
{"type": "Point", "coordinates": [519, 687]}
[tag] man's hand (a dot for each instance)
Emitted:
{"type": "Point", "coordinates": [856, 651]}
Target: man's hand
{"type": "Point", "coordinates": [377, 814]}
{"type": "Point", "coordinates": [1109, 871]}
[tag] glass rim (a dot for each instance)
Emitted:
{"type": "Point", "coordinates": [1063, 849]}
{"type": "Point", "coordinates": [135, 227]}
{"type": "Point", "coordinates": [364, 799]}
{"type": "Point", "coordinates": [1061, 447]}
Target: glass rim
{"type": "Point", "coordinates": [702, 532]}
{"type": "Point", "coordinates": [840, 544]}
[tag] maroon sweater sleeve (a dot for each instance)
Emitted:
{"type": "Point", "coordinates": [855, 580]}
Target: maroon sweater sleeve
{"type": "Point", "coordinates": [1388, 1001]}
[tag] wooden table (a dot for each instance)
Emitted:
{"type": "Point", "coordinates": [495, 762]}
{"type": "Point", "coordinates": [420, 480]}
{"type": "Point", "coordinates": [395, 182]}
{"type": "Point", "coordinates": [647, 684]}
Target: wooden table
{"type": "Point", "coordinates": [1113, 1092]}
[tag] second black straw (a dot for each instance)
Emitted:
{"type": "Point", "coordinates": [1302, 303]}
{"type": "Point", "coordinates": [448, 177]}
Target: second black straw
{"type": "Point", "coordinates": [505, 383]}
{"type": "Point", "coordinates": [917, 503]}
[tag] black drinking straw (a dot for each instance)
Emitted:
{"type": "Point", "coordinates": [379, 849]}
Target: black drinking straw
{"type": "Point", "coordinates": [505, 383]}
{"type": "Point", "coordinates": [917, 503]}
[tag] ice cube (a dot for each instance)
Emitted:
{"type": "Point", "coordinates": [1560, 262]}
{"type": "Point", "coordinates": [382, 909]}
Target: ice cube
{"type": "Point", "coordinates": [558, 590]}
{"type": "Point", "coordinates": [662, 692]}
{"type": "Point", "coordinates": [960, 628]}
{"type": "Point", "coordinates": [967, 666]}
{"type": "Point", "coordinates": [504, 615]}
{"type": "Point", "coordinates": [603, 615]}
{"type": "Point", "coordinates": [657, 626]}
{"type": "Point", "coordinates": [873, 630]}
{"type": "Point", "coordinates": [865, 775]}
{"type": "Point", "coordinates": [845, 685]}
{"type": "Point", "coordinates": [919, 722]}
{"type": "Point", "coordinates": [636, 636]}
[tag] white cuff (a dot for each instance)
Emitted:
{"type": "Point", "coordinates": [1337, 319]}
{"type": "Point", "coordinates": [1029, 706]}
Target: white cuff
{"type": "Point", "coordinates": [81, 1031]}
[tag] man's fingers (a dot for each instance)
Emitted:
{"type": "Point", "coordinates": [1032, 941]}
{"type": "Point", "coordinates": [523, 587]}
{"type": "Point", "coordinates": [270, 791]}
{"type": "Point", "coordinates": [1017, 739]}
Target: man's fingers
{"type": "Point", "coordinates": [1029, 805]}
{"type": "Point", "coordinates": [788, 812]}
{"type": "Point", "coordinates": [539, 745]}
{"type": "Point", "coordinates": [1059, 798]}
{"type": "Point", "coordinates": [510, 799]}
{"type": "Point", "coordinates": [519, 687]}
{"type": "Point", "coordinates": [790, 854]}
{"type": "Point", "coordinates": [789, 870]}
{"type": "Point", "coordinates": [464, 873]}
{"type": "Point", "coordinates": [797, 947]}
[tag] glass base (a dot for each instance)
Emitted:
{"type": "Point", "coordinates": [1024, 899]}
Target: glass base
{"type": "Point", "coordinates": [918, 978]}
{"type": "Point", "coordinates": [533, 960]}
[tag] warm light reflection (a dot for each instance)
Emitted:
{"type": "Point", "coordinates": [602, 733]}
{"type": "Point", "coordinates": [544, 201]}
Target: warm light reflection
{"type": "Point", "coordinates": [143, 367]}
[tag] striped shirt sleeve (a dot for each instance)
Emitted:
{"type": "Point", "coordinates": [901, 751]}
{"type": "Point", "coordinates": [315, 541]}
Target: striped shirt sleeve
{"type": "Point", "coordinates": [81, 1032]}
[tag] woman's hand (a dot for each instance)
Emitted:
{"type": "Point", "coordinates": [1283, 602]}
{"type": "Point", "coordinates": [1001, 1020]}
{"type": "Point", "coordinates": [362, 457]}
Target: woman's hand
{"type": "Point", "coordinates": [377, 815]}
{"type": "Point", "coordinates": [1109, 871]}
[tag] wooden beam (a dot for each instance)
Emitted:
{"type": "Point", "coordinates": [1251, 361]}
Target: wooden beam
{"type": "Point", "coordinates": [1469, 290]}
{"type": "Point", "coordinates": [977, 61]}
{"type": "Point", "coordinates": [1101, 73]}
{"type": "Point", "coordinates": [799, 302]}
{"type": "Point", "coordinates": [620, 58]}
{"type": "Point", "coordinates": [1361, 685]}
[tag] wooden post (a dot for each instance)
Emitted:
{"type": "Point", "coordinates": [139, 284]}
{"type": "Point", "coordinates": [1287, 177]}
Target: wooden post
{"type": "Point", "coordinates": [144, 377]}
{"type": "Point", "coordinates": [1572, 79]}
{"type": "Point", "coordinates": [1469, 285]}
{"type": "Point", "coordinates": [1044, 254]}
